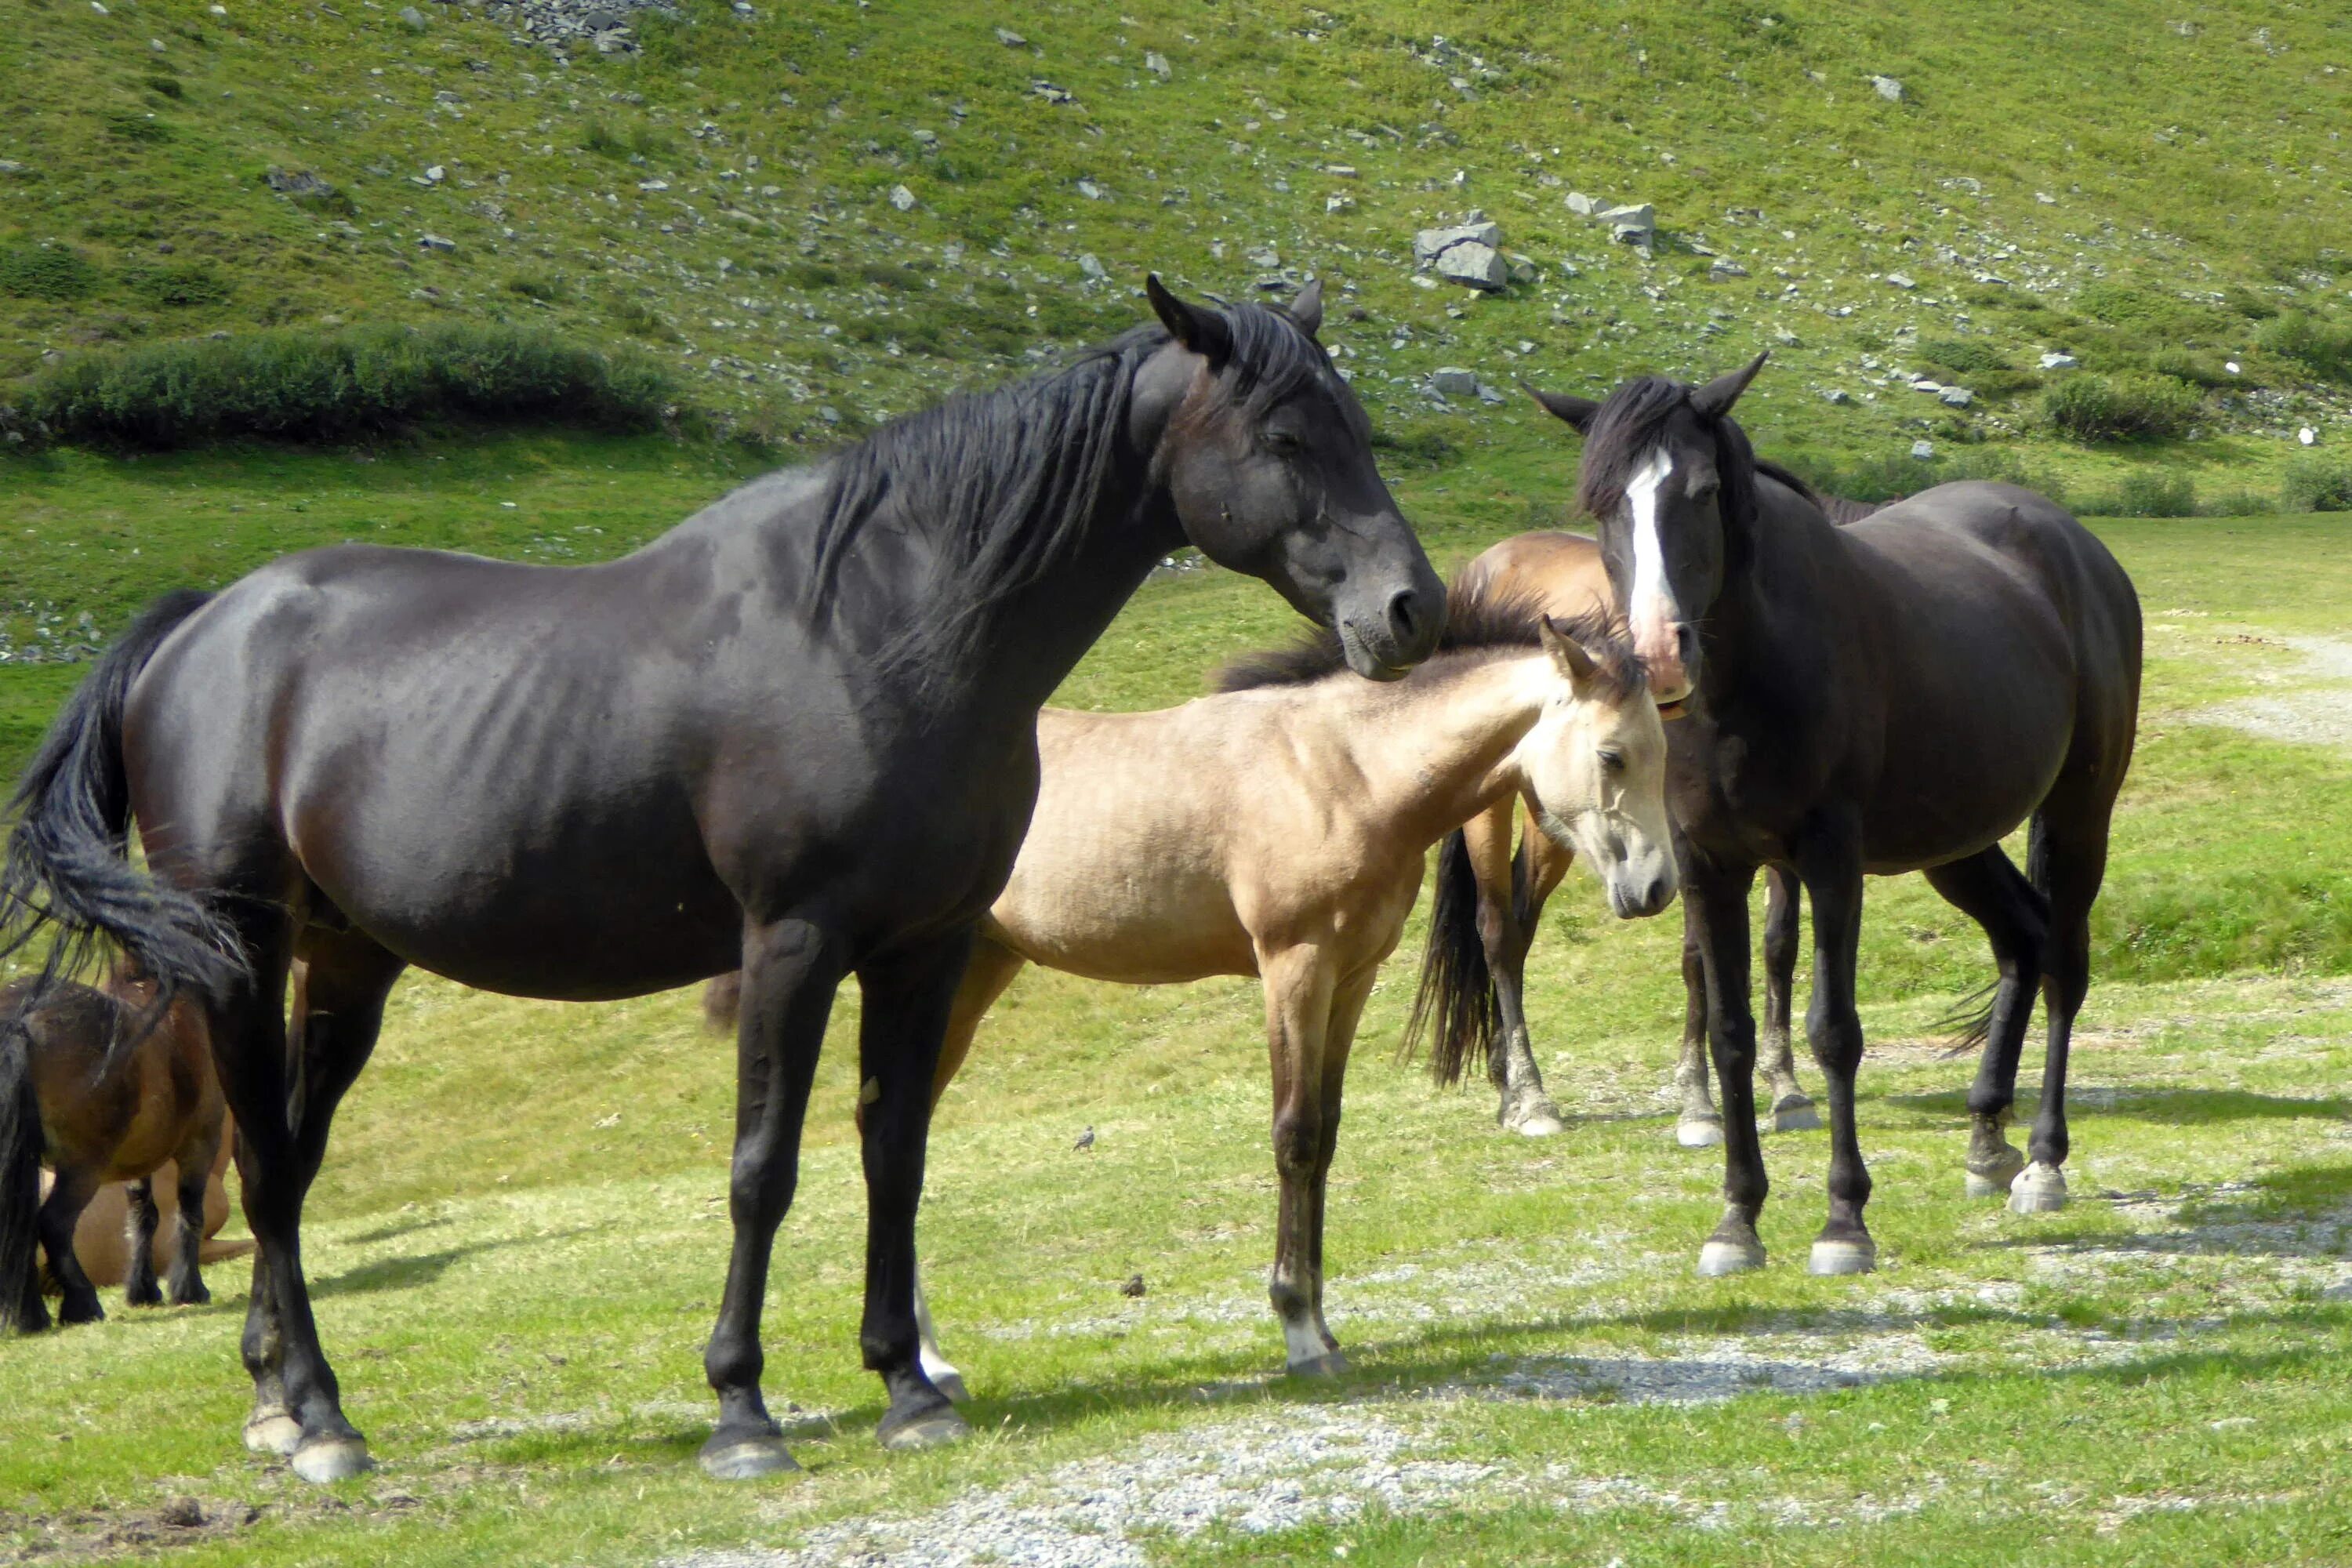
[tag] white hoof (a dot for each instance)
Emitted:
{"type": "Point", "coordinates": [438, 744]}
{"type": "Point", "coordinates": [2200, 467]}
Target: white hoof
{"type": "Point", "coordinates": [936, 1430]}
{"type": "Point", "coordinates": [1542, 1122]}
{"type": "Point", "coordinates": [1699, 1131]}
{"type": "Point", "coordinates": [1330, 1363]}
{"type": "Point", "coordinates": [1842, 1257]}
{"type": "Point", "coordinates": [2039, 1189]}
{"type": "Point", "coordinates": [322, 1461]}
{"type": "Point", "coordinates": [1717, 1258]}
{"type": "Point", "coordinates": [276, 1433]}
{"type": "Point", "coordinates": [748, 1459]}
{"type": "Point", "coordinates": [1795, 1114]}
{"type": "Point", "coordinates": [949, 1382]}
{"type": "Point", "coordinates": [1996, 1180]}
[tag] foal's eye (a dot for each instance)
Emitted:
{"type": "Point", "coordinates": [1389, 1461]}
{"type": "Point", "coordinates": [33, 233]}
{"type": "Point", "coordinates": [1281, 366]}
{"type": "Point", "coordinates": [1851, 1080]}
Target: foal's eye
{"type": "Point", "coordinates": [1613, 760]}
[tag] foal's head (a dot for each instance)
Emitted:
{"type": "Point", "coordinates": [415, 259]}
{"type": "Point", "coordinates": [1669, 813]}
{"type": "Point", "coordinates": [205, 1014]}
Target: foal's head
{"type": "Point", "coordinates": [1670, 480]}
{"type": "Point", "coordinates": [1595, 766]}
{"type": "Point", "coordinates": [1267, 455]}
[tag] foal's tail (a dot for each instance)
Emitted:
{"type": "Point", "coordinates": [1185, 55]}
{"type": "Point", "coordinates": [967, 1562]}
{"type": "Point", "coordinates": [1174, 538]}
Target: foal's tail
{"type": "Point", "coordinates": [68, 865]}
{"type": "Point", "coordinates": [21, 1310]}
{"type": "Point", "coordinates": [1457, 1003]}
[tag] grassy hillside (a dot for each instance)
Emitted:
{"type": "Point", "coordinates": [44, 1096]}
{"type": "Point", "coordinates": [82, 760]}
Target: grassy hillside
{"type": "Point", "coordinates": [2155, 191]}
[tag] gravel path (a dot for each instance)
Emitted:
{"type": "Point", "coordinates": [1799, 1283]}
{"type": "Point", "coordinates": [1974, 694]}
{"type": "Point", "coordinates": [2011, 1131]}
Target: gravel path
{"type": "Point", "coordinates": [2315, 710]}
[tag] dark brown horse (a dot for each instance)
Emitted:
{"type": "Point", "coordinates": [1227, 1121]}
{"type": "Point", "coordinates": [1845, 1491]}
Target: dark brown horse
{"type": "Point", "coordinates": [97, 1087]}
{"type": "Point", "coordinates": [796, 735]}
{"type": "Point", "coordinates": [1894, 695]}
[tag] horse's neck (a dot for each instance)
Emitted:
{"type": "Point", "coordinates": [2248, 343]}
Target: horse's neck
{"type": "Point", "coordinates": [1434, 750]}
{"type": "Point", "coordinates": [1775, 610]}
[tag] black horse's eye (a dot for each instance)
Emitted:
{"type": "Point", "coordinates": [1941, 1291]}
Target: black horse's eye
{"type": "Point", "coordinates": [1281, 443]}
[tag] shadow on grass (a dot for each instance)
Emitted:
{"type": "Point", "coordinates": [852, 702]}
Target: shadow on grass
{"type": "Point", "coordinates": [2174, 1107]}
{"type": "Point", "coordinates": [404, 1273]}
{"type": "Point", "coordinates": [393, 1232]}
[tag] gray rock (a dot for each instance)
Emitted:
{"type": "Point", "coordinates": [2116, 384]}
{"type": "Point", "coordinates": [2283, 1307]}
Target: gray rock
{"type": "Point", "coordinates": [10, 166]}
{"type": "Point", "coordinates": [1724, 270]}
{"type": "Point", "coordinates": [1050, 93]}
{"type": "Point", "coordinates": [436, 175]}
{"type": "Point", "coordinates": [1901, 280]}
{"type": "Point", "coordinates": [1093, 267]}
{"type": "Point", "coordinates": [928, 141]}
{"type": "Point", "coordinates": [1583, 206]}
{"type": "Point", "coordinates": [1489, 395]}
{"type": "Point", "coordinates": [1923, 450]}
{"type": "Point", "coordinates": [1453, 380]}
{"type": "Point", "coordinates": [1264, 256]}
{"type": "Point", "coordinates": [902, 198]}
{"type": "Point", "coordinates": [1430, 243]}
{"type": "Point", "coordinates": [1473, 265]}
{"type": "Point", "coordinates": [1785, 337]}
{"type": "Point", "coordinates": [1836, 395]}
{"type": "Point", "coordinates": [435, 242]}
{"type": "Point", "coordinates": [1634, 223]}
{"type": "Point", "coordinates": [1157, 64]}
{"type": "Point", "coordinates": [412, 18]}
{"type": "Point", "coordinates": [1337, 204]}
{"type": "Point", "coordinates": [1887, 88]}
{"type": "Point", "coordinates": [294, 182]}
{"type": "Point", "coordinates": [1957, 397]}
{"type": "Point", "coordinates": [1091, 191]}
{"type": "Point", "coordinates": [1011, 39]}
{"type": "Point", "coordinates": [2058, 361]}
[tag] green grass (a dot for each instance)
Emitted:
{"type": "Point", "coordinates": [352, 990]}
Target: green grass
{"type": "Point", "coordinates": [520, 1229]}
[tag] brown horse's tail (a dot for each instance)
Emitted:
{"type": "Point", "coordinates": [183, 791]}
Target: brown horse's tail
{"type": "Point", "coordinates": [69, 869]}
{"type": "Point", "coordinates": [21, 1310]}
{"type": "Point", "coordinates": [1456, 1004]}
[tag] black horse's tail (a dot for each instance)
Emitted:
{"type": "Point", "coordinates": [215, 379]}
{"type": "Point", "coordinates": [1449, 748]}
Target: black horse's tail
{"type": "Point", "coordinates": [1456, 1004]}
{"type": "Point", "coordinates": [1970, 1018]}
{"type": "Point", "coordinates": [68, 867]}
{"type": "Point", "coordinates": [21, 1310]}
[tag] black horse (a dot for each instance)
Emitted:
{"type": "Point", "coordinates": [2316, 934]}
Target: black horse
{"type": "Point", "coordinates": [796, 735]}
{"type": "Point", "coordinates": [1893, 695]}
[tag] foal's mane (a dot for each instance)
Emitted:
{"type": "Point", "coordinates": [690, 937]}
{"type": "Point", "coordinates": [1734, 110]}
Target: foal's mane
{"type": "Point", "coordinates": [1476, 619]}
{"type": "Point", "coordinates": [1006, 482]}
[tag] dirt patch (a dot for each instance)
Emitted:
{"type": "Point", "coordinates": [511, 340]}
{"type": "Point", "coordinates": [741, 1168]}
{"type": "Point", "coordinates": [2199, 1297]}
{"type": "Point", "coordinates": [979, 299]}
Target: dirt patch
{"type": "Point", "coordinates": [2312, 704]}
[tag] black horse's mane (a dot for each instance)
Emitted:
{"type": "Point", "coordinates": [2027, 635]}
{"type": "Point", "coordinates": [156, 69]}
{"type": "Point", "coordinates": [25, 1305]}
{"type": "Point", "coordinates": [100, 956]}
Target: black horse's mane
{"type": "Point", "coordinates": [1628, 428]}
{"type": "Point", "coordinates": [1474, 619]}
{"type": "Point", "coordinates": [1005, 482]}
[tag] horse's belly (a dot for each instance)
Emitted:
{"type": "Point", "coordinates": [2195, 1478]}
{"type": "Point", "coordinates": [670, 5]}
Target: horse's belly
{"type": "Point", "coordinates": [1129, 929]}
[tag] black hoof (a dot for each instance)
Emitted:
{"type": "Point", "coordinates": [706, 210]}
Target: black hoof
{"type": "Point", "coordinates": [738, 1457]}
{"type": "Point", "coordinates": [72, 1312]}
{"type": "Point", "coordinates": [194, 1296]}
{"type": "Point", "coordinates": [922, 1426]}
{"type": "Point", "coordinates": [141, 1296]}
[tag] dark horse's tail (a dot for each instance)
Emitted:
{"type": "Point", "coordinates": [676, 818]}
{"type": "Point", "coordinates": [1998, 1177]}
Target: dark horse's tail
{"type": "Point", "coordinates": [1970, 1018]}
{"type": "Point", "coordinates": [21, 1310]}
{"type": "Point", "coordinates": [1456, 1004]}
{"type": "Point", "coordinates": [68, 867]}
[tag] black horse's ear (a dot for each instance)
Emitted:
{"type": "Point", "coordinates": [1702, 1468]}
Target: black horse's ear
{"type": "Point", "coordinates": [1203, 331]}
{"type": "Point", "coordinates": [1716, 398]}
{"type": "Point", "coordinates": [1577, 410]}
{"type": "Point", "coordinates": [1571, 657]}
{"type": "Point", "coordinates": [1307, 308]}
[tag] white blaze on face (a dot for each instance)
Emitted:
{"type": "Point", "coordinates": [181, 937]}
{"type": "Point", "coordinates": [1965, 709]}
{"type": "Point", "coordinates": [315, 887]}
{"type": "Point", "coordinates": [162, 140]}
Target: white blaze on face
{"type": "Point", "coordinates": [1653, 611]}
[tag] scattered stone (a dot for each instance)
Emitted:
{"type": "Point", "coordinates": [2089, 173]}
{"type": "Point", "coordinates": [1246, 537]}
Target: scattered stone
{"type": "Point", "coordinates": [1430, 243]}
{"type": "Point", "coordinates": [1489, 395]}
{"type": "Point", "coordinates": [1093, 267]}
{"type": "Point", "coordinates": [1923, 450]}
{"type": "Point", "coordinates": [2307, 436]}
{"type": "Point", "coordinates": [412, 18]}
{"type": "Point", "coordinates": [1901, 280]}
{"type": "Point", "coordinates": [1336, 204]}
{"type": "Point", "coordinates": [1836, 395]}
{"type": "Point", "coordinates": [1725, 269]}
{"type": "Point", "coordinates": [436, 175]}
{"type": "Point", "coordinates": [297, 183]}
{"type": "Point", "coordinates": [1091, 191]}
{"type": "Point", "coordinates": [181, 1513]}
{"type": "Point", "coordinates": [1957, 397]}
{"type": "Point", "coordinates": [1157, 64]}
{"type": "Point", "coordinates": [2058, 361]}
{"type": "Point", "coordinates": [902, 198]}
{"type": "Point", "coordinates": [653, 184]}
{"type": "Point", "coordinates": [928, 141]}
{"type": "Point", "coordinates": [435, 242]}
{"type": "Point", "coordinates": [1453, 380]}
{"type": "Point", "coordinates": [1050, 93]}
{"type": "Point", "coordinates": [828, 413]}
{"type": "Point", "coordinates": [1785, 337]}
{"type": "Point", "coordinates": [2045, 198]}
{"type": "Point", "coordinates": [1011, 39]}
{"type": "Point", "coordinates": [1473, 266]}
{"type": "Point", "coordinates": [1583, 206]}
{"type": "Point", "coordinates": [1887, 88]}
{"type": "Point", "coordinates": [1133, 1287]}
{"type": "Point", "coordinates": [1634, 223]}
{"type": "Point", "coordinates": [2229, 365]}
{"type": "Point", "coordinates": [1340, 170]}
{"type": "Point", "coordinates": [1264, 256]}
{"type": "Point", "coordinates": [10, 166]}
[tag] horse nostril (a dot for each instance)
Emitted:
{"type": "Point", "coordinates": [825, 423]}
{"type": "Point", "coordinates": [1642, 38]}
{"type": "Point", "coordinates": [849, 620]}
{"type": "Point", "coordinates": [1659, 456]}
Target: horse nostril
{"type": "Point", "coordinates": [1686, 645]}
{"type": "Point", "coordinates": [1401, 614]}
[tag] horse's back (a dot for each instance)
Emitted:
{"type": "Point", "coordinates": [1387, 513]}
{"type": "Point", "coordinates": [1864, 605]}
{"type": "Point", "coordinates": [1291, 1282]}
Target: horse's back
{"type": "Point", "coordinates": [1562, 571]}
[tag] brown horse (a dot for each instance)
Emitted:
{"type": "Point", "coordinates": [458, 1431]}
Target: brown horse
{"type": "Point", "coordinates": [97, 1085]}
{"type": "Point", "coordinates": [1280, 829]}
{"type": "Point", "coordinates": [1562, 575]}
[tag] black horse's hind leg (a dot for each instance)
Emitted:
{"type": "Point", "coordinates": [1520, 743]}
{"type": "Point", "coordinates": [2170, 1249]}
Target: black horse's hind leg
{"type": "Point", "coordinates": [1990, 890]}
{"type": "Point", "coordinates": [1830, 863]}
{"type": "Point", "coordinates": [140, 1220]}
{"type": "Point", "coordinates": [1506, 930]}
{"type": "Point", "coordinates": [61, 1210]}
{"type": "Point", "coordinates": [1792, 1107]}
{"type": "Point", "coordinates": [908, 999]}
{"type": "Point", "coordinates": [1698, 1125]}
{"type": "Point", "coordinates": [1714, 901]}
{"type": "Point", "coordinates": [2068, 863]}
{"type": "Point", "coordinates": [790, 971]}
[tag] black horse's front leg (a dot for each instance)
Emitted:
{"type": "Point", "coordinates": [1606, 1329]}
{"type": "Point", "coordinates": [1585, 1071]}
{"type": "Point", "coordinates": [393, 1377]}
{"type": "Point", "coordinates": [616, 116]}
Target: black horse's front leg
{"type": "Point", "coordinates": [1830, 864]}
{"type": "Point", "coordinates": [907, 1001]}
{"type": "Point", "coordinates": [1716, 901]}
{"type": "Point", "coordinates": [791, 970]}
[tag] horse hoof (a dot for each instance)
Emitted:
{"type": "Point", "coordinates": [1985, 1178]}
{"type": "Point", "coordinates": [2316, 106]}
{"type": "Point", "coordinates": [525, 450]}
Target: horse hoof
{"type": "Point", "coordinates": [2039, 1189]}
{"type": "Point", "coordinates": [1330, 1363]}
{"type": "Point", "coordinates": [1996, 1179]}
{"type": "Point", "coordinates": [951, 1384]}
{"type": "Point", "coordinates": [199, 1297]}
{"type": "Point", "coordinates": [149, 1297]}
{"type": "Point", "coordinates": [1699, 1131]}
{"type": "Point", "coordinates": [277, 1433]}
{"type": "Point", "coordinates": [321, 1460]}
{"type": "Point", "coordinates": [747, 1459]}
{"type": "Point", "coordinates": [933, 1429]}
{"type": "Point", "coordinates": [71, 1313]}
{"type": "Point", "coordinates": [1541, 1122]}
{"type": "Point", "coordinates": [1719, 1258]}
{"type": "Point", "coordinates": [1842, 1254]}
{"type": "Point", "coordinates": [1795, 1114]}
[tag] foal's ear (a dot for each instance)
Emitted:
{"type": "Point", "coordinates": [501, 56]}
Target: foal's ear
{"type": "Point", "coordinates": [1577, 410]}
{"type": "Point", "coordinates": [1203, 332]}
{"type": "Point", "coordinates": [1307, 308]}
{"type": "Point", "coordinates": [1573, 659]}
{"type": "Point", "coordinates": [1716, 398]}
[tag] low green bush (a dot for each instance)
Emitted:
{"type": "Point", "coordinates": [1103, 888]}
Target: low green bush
{"type": "Point", "coordinates": [2317, 481]}
{"type": "Point", "coordinates": [1965, 355]}
{"type": "Point", "coordinates": [2321, 345]}
{"type": "Point", "coordinates": [2134, 406]}
{"type": "Point", "coordinates": [188, 284]}
{"type": "Point", "coordinates": [47, 272]}
{"type": "Point", "coordinates": [299, 385]}
{"type": "Point", "coordinates": [1898, 474]}
{"type": "Point", "coordinates": [2144, 494]}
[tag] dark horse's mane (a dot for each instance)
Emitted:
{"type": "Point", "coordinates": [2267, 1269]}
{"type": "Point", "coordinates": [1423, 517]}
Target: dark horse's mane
{"type": "Point", "coordinates": [1475, 618]}
{"type": "Point", "coordinates": [1005, 482]}
{"type": "Point", "coordinates": [1628, 428]}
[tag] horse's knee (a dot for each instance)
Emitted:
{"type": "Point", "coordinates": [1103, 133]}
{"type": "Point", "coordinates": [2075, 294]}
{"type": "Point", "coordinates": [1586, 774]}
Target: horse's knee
{"type": "Point", "coordinates": [1297, 1141]}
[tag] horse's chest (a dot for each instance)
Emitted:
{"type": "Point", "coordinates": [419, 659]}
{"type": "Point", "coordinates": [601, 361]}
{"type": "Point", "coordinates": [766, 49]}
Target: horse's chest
{"type": "Point", "coordinates": [1740, 791]}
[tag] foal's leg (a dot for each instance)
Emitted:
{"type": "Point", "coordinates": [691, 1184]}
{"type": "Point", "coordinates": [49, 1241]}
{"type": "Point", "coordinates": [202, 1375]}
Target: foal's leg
{"type": "Point", "coordinates": [1989, 890]}
{"type": "Point", "coordinates": [989, 971]}
{"type": "Point", "coordinates": [1523, 885]}
{"type": "Point", "coordinates": [1299, 994]}
{"type": "Point", "coordinates": [909, 1000]}
{"type": "Point", "coordinates": [1698, 1125]}
{"type": "Point", "coordinates": [186, 1280]}
{"type": "Point", "coordinates": [140, 1220]}
{"type": "Point", "coordinates": [1338, 1037]}
{"type": "Point", "coordinates": [791, 970]}
{"type": "Point", "coordinates": [1714, 901]}
{"type": "Point", "coordinates": [1793, 1108]}
{"type": "Point", "coordinates": [1829, 862]}
{"type": "Point", "coordinates": [60, 1212]}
